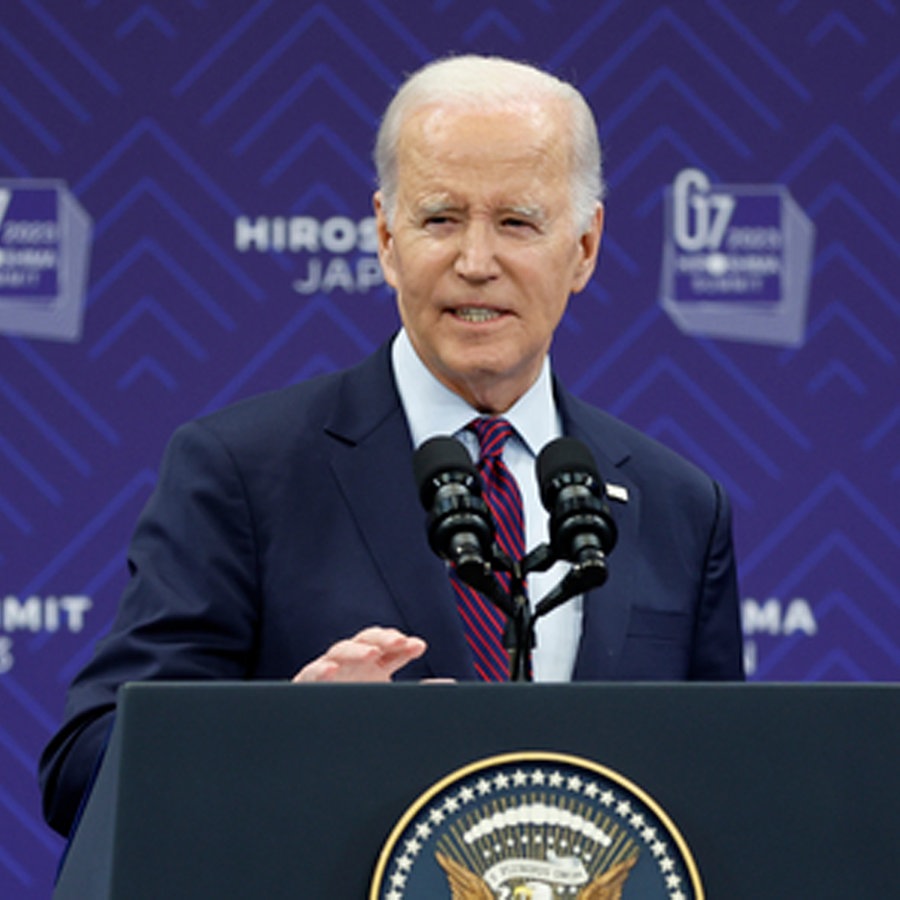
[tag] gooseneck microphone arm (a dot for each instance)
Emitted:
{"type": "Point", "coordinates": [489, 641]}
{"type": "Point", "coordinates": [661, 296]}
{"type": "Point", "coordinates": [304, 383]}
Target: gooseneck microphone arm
{"type": "Point", "coordinates": [461, 532]}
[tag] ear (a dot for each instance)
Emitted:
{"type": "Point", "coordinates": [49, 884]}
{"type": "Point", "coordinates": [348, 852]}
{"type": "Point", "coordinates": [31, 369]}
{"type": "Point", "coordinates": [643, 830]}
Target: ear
{"type": "Point", "coordinates": [385, 241]}
{"type": "Point", "coordinates": [588, 248]}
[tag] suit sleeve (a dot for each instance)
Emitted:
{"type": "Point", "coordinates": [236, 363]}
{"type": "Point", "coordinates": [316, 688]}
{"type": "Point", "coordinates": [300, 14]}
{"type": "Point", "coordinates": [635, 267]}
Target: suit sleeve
{"type": "Point", "coordinates": [718, 642]}
{"type": "Point", "coordinates": [188, 612]}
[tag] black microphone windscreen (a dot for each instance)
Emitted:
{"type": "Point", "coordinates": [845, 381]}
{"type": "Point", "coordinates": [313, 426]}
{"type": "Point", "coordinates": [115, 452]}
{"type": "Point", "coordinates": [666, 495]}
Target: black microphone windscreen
{"type": "Point", "coordinates": [565, 454]}
{"type": "Point", "coordinates": [437, 455]}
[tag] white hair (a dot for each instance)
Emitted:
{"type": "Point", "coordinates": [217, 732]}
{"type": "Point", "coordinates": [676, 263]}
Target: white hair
{"type": "Point", "coordinates": [492, 81]}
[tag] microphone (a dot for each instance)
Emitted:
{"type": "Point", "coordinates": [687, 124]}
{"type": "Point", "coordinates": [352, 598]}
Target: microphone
{"type": "Point", "coordinates": [460, 527]}
{"type": "Point", "coordinates": [581, 529]}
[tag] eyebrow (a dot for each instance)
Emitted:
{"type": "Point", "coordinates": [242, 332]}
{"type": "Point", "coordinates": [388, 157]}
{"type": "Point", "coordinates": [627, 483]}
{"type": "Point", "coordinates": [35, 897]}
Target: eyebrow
{"type": "Point", "coordinates": [442, 205]}
{"type": "Point", "coordinates": [536, 213]}
{"type": "Point", "coordinates": [432, 207]}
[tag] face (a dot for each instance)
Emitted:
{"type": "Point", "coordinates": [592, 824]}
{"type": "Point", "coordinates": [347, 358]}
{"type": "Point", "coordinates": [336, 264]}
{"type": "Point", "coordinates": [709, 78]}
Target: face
{"type": "Point", "coordinates": [483, 252]}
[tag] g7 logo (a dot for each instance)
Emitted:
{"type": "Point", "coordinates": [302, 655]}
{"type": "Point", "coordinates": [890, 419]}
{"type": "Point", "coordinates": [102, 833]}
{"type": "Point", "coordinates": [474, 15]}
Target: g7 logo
{"type": "Point", "coordinates": [6, 657]}
{"type": "Point", "coordinates": [5, 197]}
{"type": "Point", "coordinates": [701, 217]}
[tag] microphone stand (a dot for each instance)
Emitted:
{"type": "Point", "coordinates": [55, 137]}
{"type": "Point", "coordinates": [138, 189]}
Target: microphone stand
{"type": "Point", "coordinates": [460, 531]}
{"type": "Point", "coordinates": [518, 637]}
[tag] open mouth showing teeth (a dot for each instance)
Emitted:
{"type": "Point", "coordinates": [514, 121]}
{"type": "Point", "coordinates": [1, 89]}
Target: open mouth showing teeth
{"type": "Point", "coordinates": [476, 314]}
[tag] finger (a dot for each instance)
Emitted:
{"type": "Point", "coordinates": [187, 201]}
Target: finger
{"type": "Point", "coordinates": [320, 669]}
{"type": "Point", "coordinates": [395, 648]}
{"type": "Point", "coordinates": [360, 669]}
{"type": "Point", "coordinates": [347, 654]}
{"type": "Point", "coordinates": [403, 652]}
{"type": "Point", "coordinates": [373, 654]}
{"type": "Point", "coordinates": [384, 638]}
{"type": "Point", "coordinates": [353, 651]}
{"type": "Point", "coordinates": [348, 660]}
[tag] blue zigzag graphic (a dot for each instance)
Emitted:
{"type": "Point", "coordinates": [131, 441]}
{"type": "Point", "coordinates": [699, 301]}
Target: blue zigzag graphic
{"type": "Point", "coordinates": [149, 307]}
{"type": "Point", "coordinates": [666, 368]}
{"type": "Point", "coordinates": [318, 13]}
{"type": "Point", "coordinates": [87, 60]}
{"type": "Point", "coordinates": [60, 386]}
{"type": "Point", "coordinates": [149, 187]}
{"type": "Point", "coordinates": [294, 152]}
{"type": "Point", "coordinates": [139, 483]}
{"type": "Point", "coordinates": [836, 136]}
{"type": "Point", "coordinates": [46, 78]}
{"type": "Point", "coordinates": [835, 483]}
{"type": "Point", "coordinates": [317, 307]}
{"type": "Point", "coordinates": [288, 99]}
{"type": "Point", "coordinates": [662, 77]}
{"type": "Point", "coordinates": [149, 128]}
{"type": "Point", "coordinates": [147, 248]}
{"type": "Point", "coordinates": [759, 48]}
{"type": "Point", "coordinates": [34, 125]}
{"type": "Point", "coordinates": [657, 22]}
{"type": "Point", "coordinates": [491, 20]}
{"type": "Point", "coordinates": [221, 47]}
{"type": "Point", "coordinates": [146, 16]}
{"type": "Point", "coordinates": [52, 436]}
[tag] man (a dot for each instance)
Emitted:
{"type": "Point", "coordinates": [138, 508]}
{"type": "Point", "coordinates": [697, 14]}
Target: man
{"type": "Point", "coordinates": [285, 538]}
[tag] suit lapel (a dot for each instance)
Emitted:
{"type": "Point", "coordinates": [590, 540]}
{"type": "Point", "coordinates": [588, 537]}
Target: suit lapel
{"type": "Point", "coordinates": [371, 459]}
{"type": "Point", "coordinates": [606, 609]}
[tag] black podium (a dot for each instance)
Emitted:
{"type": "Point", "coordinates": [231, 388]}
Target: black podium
{"type": "Point", "coordinates": [274, 790]}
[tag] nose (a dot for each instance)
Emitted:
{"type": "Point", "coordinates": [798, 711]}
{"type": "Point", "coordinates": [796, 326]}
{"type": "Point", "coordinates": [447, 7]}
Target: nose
{"type": "Point", "coordinates": [476, 258]}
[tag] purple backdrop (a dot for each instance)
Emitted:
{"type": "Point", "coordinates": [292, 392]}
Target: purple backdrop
{"type": "Point", "coordinates": [210, 161]}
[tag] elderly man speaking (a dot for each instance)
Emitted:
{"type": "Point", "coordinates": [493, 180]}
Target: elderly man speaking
{"type": "Point", "coordinates": [285, 538]}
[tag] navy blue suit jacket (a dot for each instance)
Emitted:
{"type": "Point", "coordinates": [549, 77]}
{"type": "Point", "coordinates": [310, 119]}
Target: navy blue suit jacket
{"type": "Point", "coordinates": [291, 520]}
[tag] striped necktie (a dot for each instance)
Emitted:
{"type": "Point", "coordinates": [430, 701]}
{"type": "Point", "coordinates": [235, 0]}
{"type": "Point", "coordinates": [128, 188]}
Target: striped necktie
{"type": "Point", "coordinates": [482, 620]}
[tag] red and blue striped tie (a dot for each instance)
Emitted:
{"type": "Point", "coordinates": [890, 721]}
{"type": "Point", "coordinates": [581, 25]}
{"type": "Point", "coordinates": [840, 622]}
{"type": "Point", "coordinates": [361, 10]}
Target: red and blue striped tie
{"type": "Point", "coordinates": [482, 620]}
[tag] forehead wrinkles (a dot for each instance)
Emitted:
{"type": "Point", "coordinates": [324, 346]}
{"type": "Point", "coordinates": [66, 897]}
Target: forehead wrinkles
{"type": "Point", "coordinates": [464, 141]}
{"type": "Point", "coordinates": [451, 158]}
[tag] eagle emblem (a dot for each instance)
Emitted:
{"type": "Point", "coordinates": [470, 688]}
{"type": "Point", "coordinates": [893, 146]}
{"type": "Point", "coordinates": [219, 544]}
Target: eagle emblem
{"type": "Point", "coordinates": [467, 885]}
{"type": "Point", "coordinates": [535, 826]}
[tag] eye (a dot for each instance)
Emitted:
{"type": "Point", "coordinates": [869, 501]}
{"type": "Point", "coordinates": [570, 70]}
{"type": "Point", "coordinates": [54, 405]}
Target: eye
{"type": "Point", "coordinates": [439, 220]}
{"type": "Point", "coordinates": [518, 223]}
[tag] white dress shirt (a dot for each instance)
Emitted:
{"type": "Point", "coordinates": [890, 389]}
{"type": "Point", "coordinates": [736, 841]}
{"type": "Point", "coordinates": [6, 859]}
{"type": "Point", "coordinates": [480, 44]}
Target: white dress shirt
{"type": "Point", "coordinates": [432, 409]}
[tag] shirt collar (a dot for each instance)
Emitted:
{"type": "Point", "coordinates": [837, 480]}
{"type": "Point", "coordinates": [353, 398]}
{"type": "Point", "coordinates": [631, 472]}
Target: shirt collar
{"type": "Point", "coordinates": [433, 409]}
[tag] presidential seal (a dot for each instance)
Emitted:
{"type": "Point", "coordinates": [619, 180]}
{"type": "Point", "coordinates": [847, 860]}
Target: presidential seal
{"type": "Point", "coordinates": [535, 826]}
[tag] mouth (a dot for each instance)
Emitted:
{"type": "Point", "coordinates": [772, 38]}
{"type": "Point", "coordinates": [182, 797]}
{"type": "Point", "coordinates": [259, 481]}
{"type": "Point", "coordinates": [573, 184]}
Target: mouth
{"type": "Point", "coordinates": [476, 314]}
